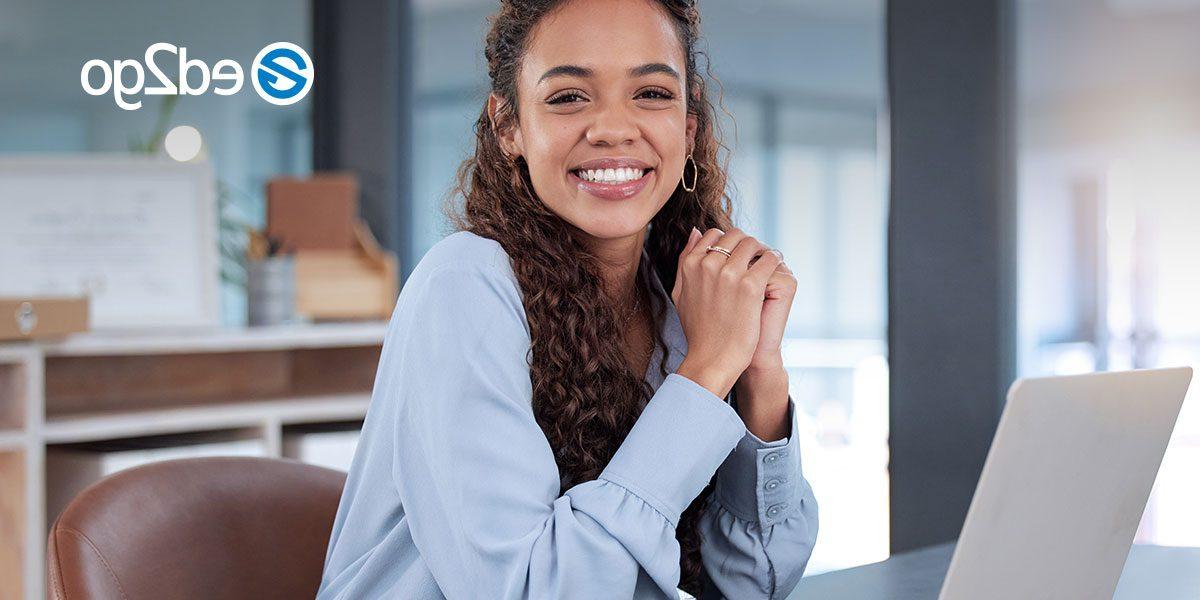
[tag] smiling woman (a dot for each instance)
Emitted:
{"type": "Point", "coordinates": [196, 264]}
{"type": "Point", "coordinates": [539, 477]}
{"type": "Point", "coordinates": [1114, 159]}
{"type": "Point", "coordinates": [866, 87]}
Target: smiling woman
{"type": "Point", "coordinates": [582, 392]}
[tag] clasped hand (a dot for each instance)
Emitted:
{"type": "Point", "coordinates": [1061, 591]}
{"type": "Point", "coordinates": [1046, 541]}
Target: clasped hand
{"type": "Point", "coordinates": [733, 309]}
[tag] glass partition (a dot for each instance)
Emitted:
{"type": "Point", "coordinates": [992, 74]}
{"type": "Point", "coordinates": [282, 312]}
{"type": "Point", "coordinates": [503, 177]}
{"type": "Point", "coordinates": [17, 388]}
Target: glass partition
{"type": "Point", "coordinates": [1109, 265]}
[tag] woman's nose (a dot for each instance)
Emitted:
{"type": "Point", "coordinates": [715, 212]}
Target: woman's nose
{"type": "Point", "coordinates": [612, 126]}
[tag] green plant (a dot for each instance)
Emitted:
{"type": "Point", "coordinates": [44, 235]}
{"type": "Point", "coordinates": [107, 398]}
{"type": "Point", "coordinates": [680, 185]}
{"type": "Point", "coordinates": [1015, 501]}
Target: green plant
{"type": "Point", "coordinates": [233, 235]}
{"type": "Point", "coordinates": [152, 144]}
{"type": "Point", "coordinates": [232, 225]}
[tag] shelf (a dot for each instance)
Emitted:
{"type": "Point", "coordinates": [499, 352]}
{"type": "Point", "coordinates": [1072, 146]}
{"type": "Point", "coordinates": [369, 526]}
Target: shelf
{"type": "Point", "coordinates": [12, 440]}
{"type": "Point", "coordinates": [19, 352]}
{"type": "Point", "coordinates": [85, 427]}
{"type": "Point", "coordinates": [13, 524]}
{"type": "Point", "coordinates": [135, 374]}
{"type": "Point", "coordinates": [129, 387]}
{"type": "Point", "coordinates": [14, 395]}
{"type": "Point", "coordinates": [224, 339]}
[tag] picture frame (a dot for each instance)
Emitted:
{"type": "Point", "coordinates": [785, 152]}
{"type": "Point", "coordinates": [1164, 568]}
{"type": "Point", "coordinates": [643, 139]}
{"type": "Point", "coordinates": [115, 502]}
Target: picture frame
{"type": "Point", "coordinates": [136, 234]}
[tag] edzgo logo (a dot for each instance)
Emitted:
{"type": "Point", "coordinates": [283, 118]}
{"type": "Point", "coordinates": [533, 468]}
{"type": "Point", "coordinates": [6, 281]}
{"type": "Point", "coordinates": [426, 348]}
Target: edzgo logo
{"type": "Point", "coordinates": [282, 73]}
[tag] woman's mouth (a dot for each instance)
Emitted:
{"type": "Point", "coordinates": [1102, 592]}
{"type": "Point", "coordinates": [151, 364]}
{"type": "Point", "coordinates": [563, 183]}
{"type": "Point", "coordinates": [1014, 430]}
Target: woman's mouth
{"type": "Point", "coordinates": [611, 184]}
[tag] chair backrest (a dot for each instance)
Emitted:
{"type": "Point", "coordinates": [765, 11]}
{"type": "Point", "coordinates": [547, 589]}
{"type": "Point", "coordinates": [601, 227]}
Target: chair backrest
{"type": "Point", "coordinates": [223, 527]}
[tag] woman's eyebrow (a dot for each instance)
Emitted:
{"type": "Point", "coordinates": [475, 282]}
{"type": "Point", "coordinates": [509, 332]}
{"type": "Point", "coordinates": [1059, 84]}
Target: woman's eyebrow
{"type": "Point", "coordinates": [578, 71]}
{"type": "Point", "coordinates": [649, 68]}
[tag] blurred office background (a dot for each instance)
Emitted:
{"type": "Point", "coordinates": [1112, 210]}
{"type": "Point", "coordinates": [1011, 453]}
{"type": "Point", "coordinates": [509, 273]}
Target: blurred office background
{"type": "Point", "coordinates": [43, 110]}
{"type": "Point", "coordinates": [1109, 198]}
{"type": "Point", "coordinates": [1101, 98]}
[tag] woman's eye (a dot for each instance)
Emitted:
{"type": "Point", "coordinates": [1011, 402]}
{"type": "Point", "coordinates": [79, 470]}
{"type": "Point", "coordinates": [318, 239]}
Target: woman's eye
{"type": "Point", "coordinates": [563, 99]}
{"type": "Point", "coordinates": [572, 97]}
{"type": "Point", "coordinates": [656, 95]}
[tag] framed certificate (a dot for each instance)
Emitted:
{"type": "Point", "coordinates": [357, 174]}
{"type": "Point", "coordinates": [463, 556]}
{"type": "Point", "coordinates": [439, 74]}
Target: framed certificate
{"type": "Point", "coordinates": [138, 235]}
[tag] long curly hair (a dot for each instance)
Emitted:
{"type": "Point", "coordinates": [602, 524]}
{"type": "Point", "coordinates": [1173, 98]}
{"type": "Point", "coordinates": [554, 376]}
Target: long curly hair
{"type": "Point", "coordinates": [585, 395]}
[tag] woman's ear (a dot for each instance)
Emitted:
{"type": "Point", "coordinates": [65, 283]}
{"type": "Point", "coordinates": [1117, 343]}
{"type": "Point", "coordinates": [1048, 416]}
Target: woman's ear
{"type": "Point", "coordinates": [508, 136]}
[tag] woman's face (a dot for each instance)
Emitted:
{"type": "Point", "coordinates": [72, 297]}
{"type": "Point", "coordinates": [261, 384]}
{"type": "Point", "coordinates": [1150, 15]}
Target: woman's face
{"type": "Point", "coordinates": [601, 87]}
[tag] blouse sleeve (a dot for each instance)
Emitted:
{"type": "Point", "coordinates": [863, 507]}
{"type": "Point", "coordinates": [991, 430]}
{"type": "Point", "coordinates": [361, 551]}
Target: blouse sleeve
{"type": "Point", "coordinates": [760, 526]}
{"type": "Point", "coordinates": [476, 474]}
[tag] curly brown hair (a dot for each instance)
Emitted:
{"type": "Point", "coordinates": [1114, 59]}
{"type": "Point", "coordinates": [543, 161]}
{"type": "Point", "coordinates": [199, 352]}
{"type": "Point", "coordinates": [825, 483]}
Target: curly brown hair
{"type": "Point", "coordinates": [585, 395]}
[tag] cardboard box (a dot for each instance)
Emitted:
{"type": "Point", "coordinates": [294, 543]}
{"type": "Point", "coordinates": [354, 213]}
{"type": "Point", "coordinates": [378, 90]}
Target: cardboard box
{"type": "Point", "coordinates": [313, 213]}
{"type": "Point", "coordinates": [357, 283]}
{"type": "Point", "coordinates": [23, 318]}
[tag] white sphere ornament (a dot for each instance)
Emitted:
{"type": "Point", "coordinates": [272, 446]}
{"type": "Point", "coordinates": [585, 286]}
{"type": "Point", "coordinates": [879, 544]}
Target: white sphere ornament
{"type": "Point", "coordinates": [183, 143]}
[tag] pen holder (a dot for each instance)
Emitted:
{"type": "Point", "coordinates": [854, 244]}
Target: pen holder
{"type": "Point", "coordinates": [271, 290]}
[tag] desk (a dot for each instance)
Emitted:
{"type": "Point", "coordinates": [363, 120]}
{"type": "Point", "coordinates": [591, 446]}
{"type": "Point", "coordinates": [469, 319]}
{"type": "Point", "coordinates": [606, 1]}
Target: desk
{"type": "Point", "coordinates": [1158, 572]}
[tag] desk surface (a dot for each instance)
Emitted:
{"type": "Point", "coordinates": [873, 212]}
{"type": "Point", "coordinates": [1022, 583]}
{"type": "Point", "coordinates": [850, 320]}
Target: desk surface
{"type": "Point", "coordinates": [1158, 572]}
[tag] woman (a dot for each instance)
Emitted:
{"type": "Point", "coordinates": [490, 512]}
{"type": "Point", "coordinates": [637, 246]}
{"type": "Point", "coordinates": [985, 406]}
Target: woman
{"type": "Point", "coordinates": [545, 422]}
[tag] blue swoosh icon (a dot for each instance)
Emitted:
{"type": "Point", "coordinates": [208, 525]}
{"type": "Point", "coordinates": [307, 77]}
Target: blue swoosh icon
{"type": "Point", "coordinates": [270, 70]}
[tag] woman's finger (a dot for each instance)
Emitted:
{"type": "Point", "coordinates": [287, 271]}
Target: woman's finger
{"type": "Point", "coordinates": [781, 283]}
{"type": "Point", "coordinates": [746, 251]}
{"type": "Point", "coordinates": [765, 267]}
{"type": "Point", "coordinates": [764, 250]}
{"type": "Point", "coordinates": [709, 238]}
{"type": "Point", "coordinates": [729, 241]}
{"type": "Point", "coordinates": [689, 245]}
{"type": "Point", "coordinates": [693, 237]}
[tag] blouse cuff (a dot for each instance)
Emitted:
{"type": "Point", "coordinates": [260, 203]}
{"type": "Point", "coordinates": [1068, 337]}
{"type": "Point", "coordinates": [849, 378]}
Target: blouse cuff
{"type": "Point", "coordinates": [675, 446]}
{"type": "Point", "coordinates": [757, 481]}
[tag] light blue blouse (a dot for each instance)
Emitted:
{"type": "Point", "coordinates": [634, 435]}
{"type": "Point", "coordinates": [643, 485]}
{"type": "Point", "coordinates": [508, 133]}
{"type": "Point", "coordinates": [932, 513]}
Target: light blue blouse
{"type": "Point", "coordinates": [454, 491]}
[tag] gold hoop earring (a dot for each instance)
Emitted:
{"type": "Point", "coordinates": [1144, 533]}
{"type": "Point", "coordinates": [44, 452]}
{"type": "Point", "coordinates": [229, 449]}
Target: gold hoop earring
{"type": "Point", "coordinates": [695, 174]}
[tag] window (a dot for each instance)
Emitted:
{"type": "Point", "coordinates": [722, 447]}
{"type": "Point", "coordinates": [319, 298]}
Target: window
{"type": "Point", "coordinates": [1110, 203]}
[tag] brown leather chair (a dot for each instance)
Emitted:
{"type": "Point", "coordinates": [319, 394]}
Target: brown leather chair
{"type": "Point", "coordinates": [227, 527]}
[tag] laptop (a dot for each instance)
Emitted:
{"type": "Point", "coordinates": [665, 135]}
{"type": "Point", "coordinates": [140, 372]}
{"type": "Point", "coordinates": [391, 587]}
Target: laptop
{"type": "Point", "coordinates": [1064, 485]}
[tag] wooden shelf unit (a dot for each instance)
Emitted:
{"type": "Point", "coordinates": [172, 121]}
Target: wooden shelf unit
{"type": "Point", "coordinates": [97, 387]}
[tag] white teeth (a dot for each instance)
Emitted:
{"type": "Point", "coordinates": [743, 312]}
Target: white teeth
{"type": "Point", "coordinates": [619, 175]}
